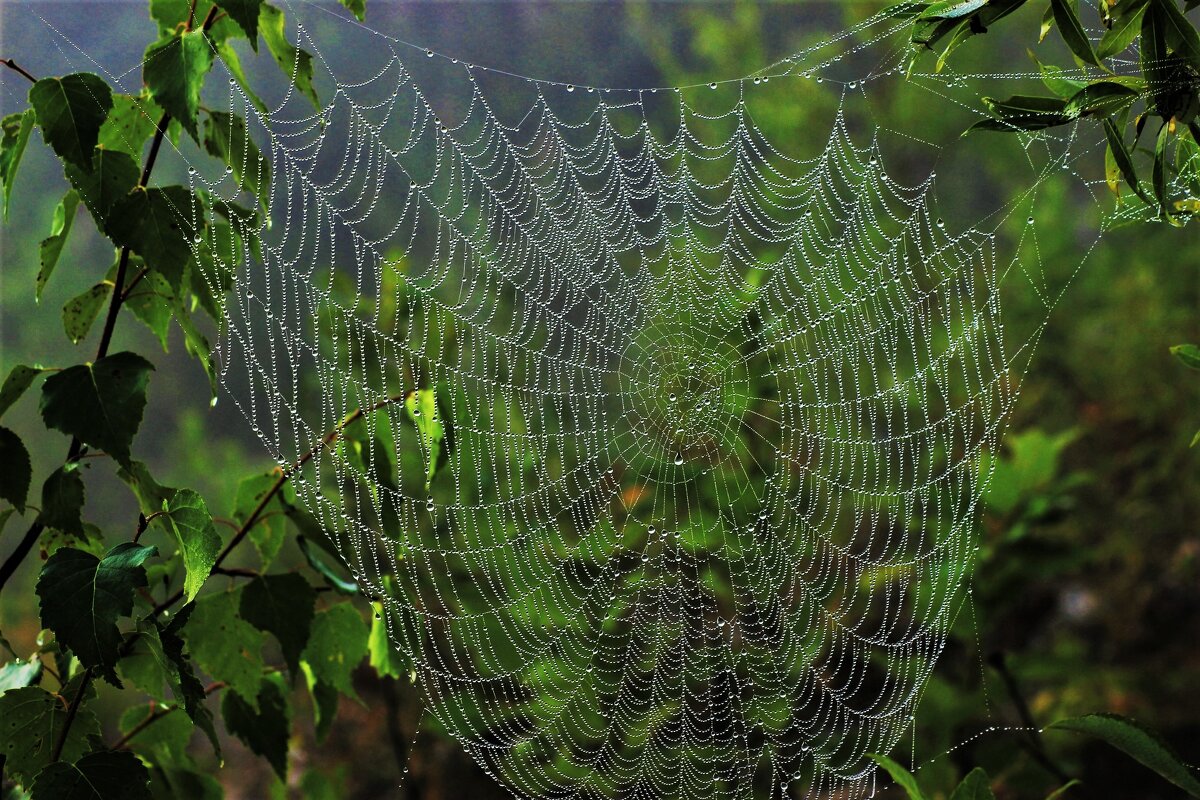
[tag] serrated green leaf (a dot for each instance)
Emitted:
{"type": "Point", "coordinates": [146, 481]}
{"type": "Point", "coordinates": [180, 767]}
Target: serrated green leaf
{"type": "Point", "coordinates": [80, 312]}
{"type": "Point", "coordinates": [422, 408]}
{"type": "Point", "coordinates": [186, 686]}
{"type": "Point", "coordinates": [19, 379]}
{"type": "Point", "coordinates": [19, 674]}
{"type": "Point", "coordinates": [226, 138]}
{"type": "Point", "coordinates": [52, 246]}
{"type": "Point", "coordinates": [263, 727]}
{"type": "Point", "coordinates": [325, 703]}
{"type": "Point", "coordinates": [1067, 20]}
{"type": "Point", "coordinates": [197, 345]}
{"type": "Point", "coordinates": [82, 597]}
{"type": "Point", "coordinates": [130, 124]}
{"type": "Point", "coordinates": [144, 664]}
{"type": "Point", "coordinates": [212, 270]}
{"type": "Point", "coordinates": [14, 135]}
{"type": "Point", "coordinates": [70, 111]}
{"type": "Point", "coordinates": [295, 62]}
{"type": "Point", "coordinates": [384, 658]}
{"type": "Point", "coordinates": [1136, 741]}
{"type": "Point", "coordinates": [903, 778]}
{"type": "Point", "coordinates": [32, 722]}
{"type": "Point", "coordinates": [1125, 29]}
{"type": "Point", "coordinates": [151, 300]}
{"type": "Point", "coordinates": [197, 536]}
{"type": "Point", "coordinates": [336, 646]}
{"type": "Point", "coordinates": [17, 472]}
{"type": "Point", "coordinates": [245, 14]}
{"type": "Point", "coordinates": [104, 775]}
{"type": "Point", "coordinates": [112, 177]}
{"type": "Point", "coordinates": [174, 71]}
{"type": "Point", "coordinates": [232, 63]}
{"type": "Point", "coordinates": [62, 500]}
{"type": "Point", "coordinates": [100, 404]}
{"type": "Point", "coordinates": [268, 532]}
{"type": "Point", "coordinates": [226, 646]}
{"type": "Point", "coordinates": [282, 605]}
{"type": "Point", "coordinates": [160, 225]}
{"type": "Point", "coordinates": [974, 787]}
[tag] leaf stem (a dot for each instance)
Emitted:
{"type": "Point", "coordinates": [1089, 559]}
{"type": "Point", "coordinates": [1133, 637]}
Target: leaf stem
{"type": "Point", "coordinates": [11, 64]}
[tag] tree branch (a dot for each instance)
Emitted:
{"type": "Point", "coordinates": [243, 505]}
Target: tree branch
{"type": "Point", "coordinates": [158, 714]}
{"type": "Point", "coordinates": [72, 712]}
{"type": "Point", "coordinates": [8, 62]}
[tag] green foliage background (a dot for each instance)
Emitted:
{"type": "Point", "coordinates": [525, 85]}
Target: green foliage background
{"type": "Point", "coordinates": [1085, 599]}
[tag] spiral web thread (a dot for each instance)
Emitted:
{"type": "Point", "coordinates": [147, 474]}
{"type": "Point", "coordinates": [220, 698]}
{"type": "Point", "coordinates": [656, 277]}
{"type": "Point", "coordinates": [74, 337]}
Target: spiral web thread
{"type": "Point", "coordinates": [713, 414]}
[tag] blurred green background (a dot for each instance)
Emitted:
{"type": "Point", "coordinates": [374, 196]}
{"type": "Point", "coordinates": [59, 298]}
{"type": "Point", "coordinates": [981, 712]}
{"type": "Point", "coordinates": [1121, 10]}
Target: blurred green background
{"type": "Point", "coordinates": [1087, 589]}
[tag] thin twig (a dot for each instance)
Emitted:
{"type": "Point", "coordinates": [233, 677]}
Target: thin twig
{"type": "Point", "coordinates": [8, 62]}
{"type": "Point", "coordinates": [158, 714]}
{"type": "Point", "coordinates": [72, 711]}
{"type": "Point", "coordinates": [1032, 741]}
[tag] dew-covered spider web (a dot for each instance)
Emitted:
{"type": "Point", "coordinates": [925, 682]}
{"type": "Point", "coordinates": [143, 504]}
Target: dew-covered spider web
{"type": "Point", "coordinates": [673, 454]}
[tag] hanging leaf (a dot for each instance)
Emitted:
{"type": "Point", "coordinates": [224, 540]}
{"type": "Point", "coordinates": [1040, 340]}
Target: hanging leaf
{"type": "Point", "coordinates": [1125, 29]}
{"type": "Point", "coordinates": [1123, 159]}
{"type": "Point", "coordinates": [100, 404]}
{"type": "Point", "coordinates": [1101, 97]}
{"type": "Point", "coordinates": [174, 69]}
{"type": "Point", "coordinates": [131, 122]}
{"type": "Point", "coordinates": [18, 674]}
{"type": "Point", "coordinates": [1161, 178]}
{"type": "Point", "coordinates": [1073, 33]}
{"type": "Point", "coordinates": [151, 300]}
{"type": "Point", "coordinates": [197, 537]}
{"type": "Point", "coordinates": [80, 312]}
{"type": "Point", "coordinates": [165, 743]}
{"type": "Point", "coordinates": [52, 246]}
{"type": "Point", "coordinates": [1136, 741]}
{"type": "Point", "coordinates": [269, 529]}
{"type": "Point", "coordinates": [384, 658]}
{"type": "Point", "coordinates": [70, 111]}
{"type": "Point", "coordinates": [245, 14]}
{"type": "Point", "coordinates": [186, 686]}
{"type": "Point", "coordinates": [34, 721]}
{"type": "Point", "coordinates": [359, 8]}
{"type": "Point", "coordinates": [226, 138]}
{"type": "Point", "coordinates": [62, 500]}
{"type": "Point", "coordinates": [82, 597]}
{"type": "Point", "coordinates": [19, 379]}
{"type": "Point", "coordinates": [112, 177]}
{"type": "Point", "coordinates": [295, 62]}
{"type": "Point", "coordinates": [226, 646]}
{"type": "Point", "coordinates": [336, 646]}
{"type": "Point", "coordinates": [1188, 354]}
{"type": "Point", "coordinates": [104, 775]}
{"type": "Point", "coordinates": [14, 135]}
{"type": "Point", "coordinates": [282, 605]}
{"type": "Point", "coordinates": [1181, 35]}
{"type": "Point", "coordinates": [422, 408]}
{"type": "Point", "coordinates": [160, 225]}
{"type": "Point", "coordinates": [14, 483]}
{"type": "Point", "coordinates": [263, 726]}
{"type": "Point", "coordinates": [1023, 113]}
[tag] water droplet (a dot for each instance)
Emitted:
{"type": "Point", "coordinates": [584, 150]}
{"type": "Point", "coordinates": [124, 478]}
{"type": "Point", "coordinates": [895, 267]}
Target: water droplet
{"type": "Point", "coordinates": [941, 223]}
{"type": "Point", "coordinates": [1029, 221]}
{"type": "Point", "coordinates": [570, 87]}
{"type": "Point", "coordinates": [679, 459]}
{"type": "Point", "coordinates": [712, 85]}
{"type": "Point", "coordinates": [651, 530]}
{"type": "Point", "coordinates": [213, 403]}
{"type": "Point", "coordinates": [429, 54]}
{"type": "Point", "coordinates": [429, 504]}
{"type": "Point", "coordinates": [673, 397]}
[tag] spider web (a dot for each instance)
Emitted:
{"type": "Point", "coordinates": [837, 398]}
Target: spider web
{"type": "Point", "coordinates": [673, 458]}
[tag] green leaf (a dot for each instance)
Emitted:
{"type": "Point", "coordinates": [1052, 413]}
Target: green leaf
{"type": "Point", "coordinates": [1180, 34]}
{"type": "Point", "coordinates": [14, 482]}
{"type": "Point", "coordinates": [104, 775]}
{"type": "Point", "coordinates": [359, 7]}
{"type": "Point", "coordinates": [19, 379]}
{"type": "Point", "coordinates": [1125, 29]}
{"type": "Point", "coordinates": [1073, 33]}
{"type": "Point", "coordinates": [1062, 790]}
{"type": "Point", "coordinates": [80, 312]}
{"type": "Point", "coordinates": [70, 111]}
{"type": "Point", "coordinates": [234, 65]}
{"type": "Point", "coordinates": [384, 658]}
{"type": "Point", "coordinates": [112, 177]}
{"type": "Point", "coordinates": [132, 121]}
{"type": "Point", "coordinates": [197, 345]}
{"type": "Point", "coordinates": [1189, 354]}
{"type": "Point", "coordinates": [213, 267]}
{"type": "Point", "coordinates": [14, 135]}
{"type": "Point", "coordinates": [295, 62]}
{"type": "Point", "coordinates": [165, 740]}
{"type": "Point", "coordinates": [226, 646]}
{"type": "Point", "coordinates": [52, 246]}
{"type": "Point", "coordinates": [900, 775]}
{"type": "Point", "coordinates": [186, 686]}
{"type": "Point", "coordinates": [1101, 97]}
{"type": "Point", "coordinates": [974, 787]}
{"type": "Point", "coordinates": [282, 605]}
{"type": "Point", "coordinates": [100, 404]}
{"type": "Point", "coordinates": [269, 529]}
{"type": "Point", "coordinates": [951, 9]}
{"type": "Point", "coordinates": [1136, 741]}
{"type": "Point", "coordinates": [245, 14]}
{"type": "Point", "coordinates": [33, 722]}
{"type": "Point", "coordinates": [1161, 178]}
{"type": "Point", "coordinates": [422, 407]}
{"type": "Point", "coordinates": [160, 225]}
{"type": "Point", "coordinates": [325, 703]}
{"type": "Point", "coordinates": [264, 728]}
{"type": "Point", "coordinates": [197, 536]}
{"type": "Point", "coordinates": [1023, 112]}
{"type": "Point", "coordinates": [336, 646]}
{"type": "Point", "coordinates": [320, 566]}
{"type": "Point", "coordinates": [144, 664]}
{"type": "Point", "coordinates": [151, 301]}
{"type": "Point", "coordinates": [174, 70]}
{"type": "Point", "coordinates": [82, 597]}
{"type": "Point", "coordinates": [1054, 78]}
{"type": "Point", "coordinates": [1123, 159]}
{"type": "Point", "coordinates": [19, 674]}
{"type": "Point", "coordinates": [226, 138]}
{"type": "Point", "coordinates": [62, 500]}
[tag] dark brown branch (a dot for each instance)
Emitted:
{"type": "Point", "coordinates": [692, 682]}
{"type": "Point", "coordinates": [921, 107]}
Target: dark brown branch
{"type": "Point", "coordinates": [155, 716]}
{"type": "Point", "coordinates": [72, 712]}
{"type": "Point", "coordinates": [8, 62]}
